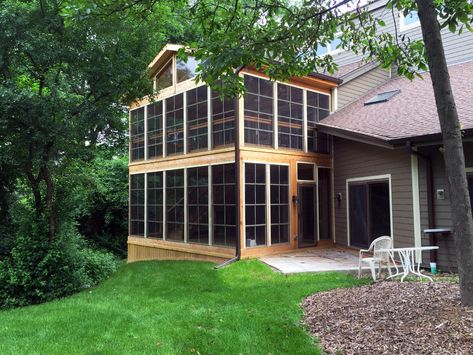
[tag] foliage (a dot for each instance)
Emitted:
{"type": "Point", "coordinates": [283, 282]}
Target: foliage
{"type": "Point", "coordinates": [103, 211]}
{"type": "Point", "coordinates": [67, 69]}
{"type": "Point", "coordinates": [172, 307]}
{"type": "Point", "coordinates": [37, 271]}
{"type": "Point", "coordinates": [257, 32]}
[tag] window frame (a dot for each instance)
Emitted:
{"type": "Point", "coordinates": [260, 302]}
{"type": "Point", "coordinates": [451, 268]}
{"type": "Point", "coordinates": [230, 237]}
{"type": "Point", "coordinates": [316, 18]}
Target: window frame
{"type": "Point", "coordinates": [272, 145]}
{"type": "Point", "coordinates": [131, 220]}
{"type": "Point", "coordinates": [329, 46]}
{"type": "Point", "coordinates": [403, 27]}
{"type": "Point", "coordinates": [171, 61]}
{"type": "Point", "coordinates": [190, 205]}
{"type": "Point", "coordinates": [291, 119]}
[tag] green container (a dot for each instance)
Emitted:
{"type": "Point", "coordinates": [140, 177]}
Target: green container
{"type": "Point", "coordinates": [433, 268]}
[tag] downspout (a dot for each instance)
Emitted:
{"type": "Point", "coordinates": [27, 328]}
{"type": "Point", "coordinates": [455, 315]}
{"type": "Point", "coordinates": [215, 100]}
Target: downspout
{"type": "Point", "coordinates": [430, 195]}
{"type": "Point", "coordinates": [237, 181]}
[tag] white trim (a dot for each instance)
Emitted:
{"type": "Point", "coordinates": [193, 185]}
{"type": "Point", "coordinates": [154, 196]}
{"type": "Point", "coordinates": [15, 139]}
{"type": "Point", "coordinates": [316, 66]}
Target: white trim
{"type": "Point", "coordinates": [145, 115]}
{"type": "Point", "coordinates": [416, 205]}
{"type": "Point", "coordinates": [209, 119]}
{"type": "Point", "coordinates": [469, 170]}
{"type": "Point", "coordinates": [268, 205]}
{"type": "Point", "coordinates": [129, 135]}
{"type": "Point", "coordinates": [186, 206]}
{"type": "Point", "coordinates": [334, 103]}
{"type": "Point", "coordinates": [164, 130]}
{"type": "Point", "coordinates": [275, 116]}
{"type": "Point", "coordinates": [243, 210]}
{"type": "Point", "coordinates": [368, 179]}
{"type": "Point", "coordinates": [210, 205]}
{"type": "Point", "coordinates": [184, 120]}
{"type": "Point", "coordinates": [314, 171]}
{"type": "Point", "coordinates": [165, 231]}
{"type": "Point", "coordinates": [145, 230]}
{"type": "Point", "coordinates": [305, 134]}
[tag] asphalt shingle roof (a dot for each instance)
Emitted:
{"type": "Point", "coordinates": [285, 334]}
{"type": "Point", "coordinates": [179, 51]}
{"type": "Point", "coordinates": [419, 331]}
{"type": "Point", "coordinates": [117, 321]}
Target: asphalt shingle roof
{"type": "Point", "coordinates": [411, 113]}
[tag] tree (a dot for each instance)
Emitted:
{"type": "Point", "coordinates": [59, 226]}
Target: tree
{"type": "Point", "coordinates": [257, 31]}
{"type": "Point", "coordinates": [68, 70]}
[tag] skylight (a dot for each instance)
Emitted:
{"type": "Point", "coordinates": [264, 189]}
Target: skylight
{"type": "Point", "coordinates": [382, 97]}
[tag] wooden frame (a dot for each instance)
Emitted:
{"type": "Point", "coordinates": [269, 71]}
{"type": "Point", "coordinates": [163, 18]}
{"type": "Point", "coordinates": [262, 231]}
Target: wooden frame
{"type": "Point", "coordinates": [142, 248]}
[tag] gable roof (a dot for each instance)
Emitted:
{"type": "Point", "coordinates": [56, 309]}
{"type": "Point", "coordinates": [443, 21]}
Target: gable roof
{"type": "Point", "coordinates": [410, 115]}
{"type": "Point", "coordinates": [170, 49]}
{"type": "Point", "coordinates": [162, 57]}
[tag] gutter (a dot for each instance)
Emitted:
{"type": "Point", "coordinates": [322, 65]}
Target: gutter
{"type": "Point", "coordinates": [237, 182]}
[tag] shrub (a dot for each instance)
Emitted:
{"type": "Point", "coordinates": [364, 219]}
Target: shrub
{"type": "Point", "coordinates": [38, 271]}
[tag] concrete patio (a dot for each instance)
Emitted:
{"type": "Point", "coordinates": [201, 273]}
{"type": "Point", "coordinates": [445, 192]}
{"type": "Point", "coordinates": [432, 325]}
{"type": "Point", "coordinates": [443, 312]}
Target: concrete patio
{"type": "Point", "coordinates": [314, 260]}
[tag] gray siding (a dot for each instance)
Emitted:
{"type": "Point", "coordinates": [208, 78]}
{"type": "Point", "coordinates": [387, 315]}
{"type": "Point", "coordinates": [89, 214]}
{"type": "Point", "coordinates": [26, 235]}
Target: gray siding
{"type": "Point", "coordinates": [446, 255]}
{"type": "Point", "coordinates": [458, 48]}
{"type": "Point", "coordinates": [357, 87]}
{"type": "Point", "coordinates": [353, 160]}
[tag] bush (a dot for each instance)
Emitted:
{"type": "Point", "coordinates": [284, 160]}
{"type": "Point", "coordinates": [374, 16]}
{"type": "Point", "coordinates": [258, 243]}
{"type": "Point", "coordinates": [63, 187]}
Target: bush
{"type": "Point", "coordinates": [38, 271]}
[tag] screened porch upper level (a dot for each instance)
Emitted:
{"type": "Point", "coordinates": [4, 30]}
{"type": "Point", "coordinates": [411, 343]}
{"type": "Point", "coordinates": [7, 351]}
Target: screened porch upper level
{"type": "Point", "coordinates": [187, 118]}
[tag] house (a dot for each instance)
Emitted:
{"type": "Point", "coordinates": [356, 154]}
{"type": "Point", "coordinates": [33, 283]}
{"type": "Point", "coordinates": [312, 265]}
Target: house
{"type": "Point", "coordinates": [388, 166]}
{"type": "Point", "coordinates": [202, 187]}
{"type": "Point", "coordinates": [320, 160]}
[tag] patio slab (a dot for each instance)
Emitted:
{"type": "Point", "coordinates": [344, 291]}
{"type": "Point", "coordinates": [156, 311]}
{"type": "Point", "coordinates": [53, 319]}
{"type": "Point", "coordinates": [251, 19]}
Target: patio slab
{"type": "Point", "coordinates": [314, 260]}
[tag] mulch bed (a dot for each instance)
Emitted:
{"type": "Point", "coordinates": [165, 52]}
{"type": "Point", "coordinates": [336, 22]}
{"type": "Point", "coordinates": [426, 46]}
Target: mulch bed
{"type": "Point", "coordinates": [391, 318]}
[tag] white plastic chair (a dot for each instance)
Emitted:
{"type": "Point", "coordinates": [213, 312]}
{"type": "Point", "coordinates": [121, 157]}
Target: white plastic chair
{"type": "Point", "coordinates": [378, 258]}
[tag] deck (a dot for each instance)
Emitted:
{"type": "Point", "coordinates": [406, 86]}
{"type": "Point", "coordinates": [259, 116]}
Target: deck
{"type": "Point", "coordinates": [314, 260]}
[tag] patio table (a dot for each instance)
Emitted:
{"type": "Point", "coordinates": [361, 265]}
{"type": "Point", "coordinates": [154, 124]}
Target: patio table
{"type": "Point", "coordinates": [408, 262]}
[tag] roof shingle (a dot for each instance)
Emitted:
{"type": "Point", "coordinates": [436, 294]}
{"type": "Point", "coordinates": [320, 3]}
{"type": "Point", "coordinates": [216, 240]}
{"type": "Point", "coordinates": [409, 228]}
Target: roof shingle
{"type": "Point", "coordinates": [411, 113]}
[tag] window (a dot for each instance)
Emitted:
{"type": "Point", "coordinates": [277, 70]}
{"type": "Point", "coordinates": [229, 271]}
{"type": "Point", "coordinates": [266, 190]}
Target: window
{"type": "Point", "coordinates": [174, 125]}
{"type": "Point", "coordinates": [137, 205]}
{"type": "Point", "coordinates": [318, 107]}
{"type": "Point", "coordinates": [255, 204]}
{"type": "Point", "coordinates": [258, 111]}
{"type": "Point", "coordinates": [223, 120]}
{"type": "Point", "coordinates": [137, 134]}
{"type": "Point", "coordinates": [410, 20]}
{"type": "Point", "coordinates": [305, 172]}
{"type": "Point", "coordinates": [224, 208]}
{"type": "Point", "coordinates": [155, 129]}
{"type": "Point", "coordinates": [279, 186]}
{"type": "Point", "coordinates": [290, 117]}
{"type": "Point", "coordinates": [382, 97]}
{"type": "Point", "coordinates": [198, 205]}
{"type": "Point", "coordinates": [175, 205]}
{"type": "Point", "coordinates": [186, 70]}
{"type": "Point", "coordinates": [154, 206]}
{"type": "Point", "coordinates": [164, 77]}
{"type": "Point", "coordinates": [197, 118]}
{"type": "Point", "coordinates": [331, 47]}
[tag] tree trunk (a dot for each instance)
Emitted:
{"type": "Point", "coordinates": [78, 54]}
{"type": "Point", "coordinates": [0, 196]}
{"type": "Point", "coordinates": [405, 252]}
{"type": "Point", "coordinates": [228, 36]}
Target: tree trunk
{"type": "Point", "coordinates": [453, 148]}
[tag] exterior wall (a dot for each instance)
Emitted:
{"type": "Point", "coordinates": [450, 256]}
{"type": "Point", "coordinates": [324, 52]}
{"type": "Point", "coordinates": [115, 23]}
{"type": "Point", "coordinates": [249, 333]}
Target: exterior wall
{"type": "Point", "coordinates": [446, 257]}
{"type": "Point", "coordinates": [355, 160]}
{"type": "Point", "coordinates": [357, 87]}
{"type": "Point", "coordinates": [458, 48]}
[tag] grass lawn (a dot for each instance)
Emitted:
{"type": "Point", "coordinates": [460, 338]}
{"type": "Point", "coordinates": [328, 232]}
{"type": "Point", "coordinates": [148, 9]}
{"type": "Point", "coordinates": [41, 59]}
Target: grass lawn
{"type": "Point", "coordinates": [172, 308]}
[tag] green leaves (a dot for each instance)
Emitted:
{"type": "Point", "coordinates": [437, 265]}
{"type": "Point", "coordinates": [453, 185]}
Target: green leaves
{"type": "Point", "coordinates": [253, 31]}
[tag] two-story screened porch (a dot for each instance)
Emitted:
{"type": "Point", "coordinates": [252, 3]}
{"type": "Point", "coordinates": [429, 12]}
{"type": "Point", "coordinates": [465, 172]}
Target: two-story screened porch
{"type": "Point", "coordinates": [188, 198]}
